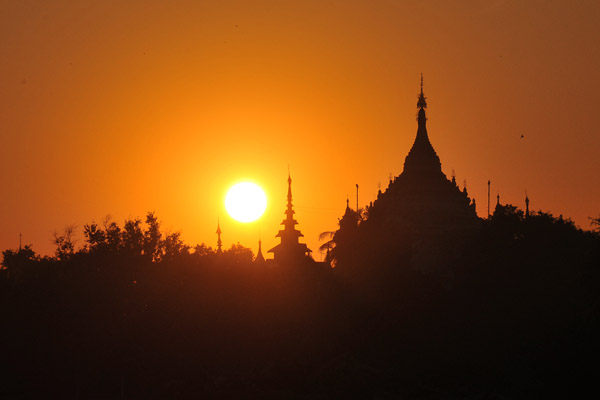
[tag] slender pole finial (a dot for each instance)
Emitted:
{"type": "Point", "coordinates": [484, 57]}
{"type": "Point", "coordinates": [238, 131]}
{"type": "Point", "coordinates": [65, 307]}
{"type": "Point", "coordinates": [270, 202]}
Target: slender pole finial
{"type": "Point", "coordinates": [489, 182]}
{"type": "Point", "coordinates": [421, 83]}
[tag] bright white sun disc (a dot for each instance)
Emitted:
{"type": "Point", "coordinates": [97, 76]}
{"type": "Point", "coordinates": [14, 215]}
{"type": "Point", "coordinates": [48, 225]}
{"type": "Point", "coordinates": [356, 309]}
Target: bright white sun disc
{"type": "Point", "coordinates": [245, 202]}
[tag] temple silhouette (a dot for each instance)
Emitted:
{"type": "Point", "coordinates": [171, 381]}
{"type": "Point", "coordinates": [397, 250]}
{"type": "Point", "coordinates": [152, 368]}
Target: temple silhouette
{"type": "Point", "coordinates": [423, 218]}
{"type": "Point", "coordinates": [290, 250]}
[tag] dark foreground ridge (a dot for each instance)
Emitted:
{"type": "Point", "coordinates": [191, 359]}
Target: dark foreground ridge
{"type": "Point", "coordinates": [424, 301]}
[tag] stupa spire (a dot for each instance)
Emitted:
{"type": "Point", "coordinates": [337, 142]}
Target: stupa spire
{"type": "Point", "coordinates": [421, 103]}
{"type": "Point", "coordinates": [422, 158]}
{"type": "Point", "coordinates": [219, 242]}
{"type": "Point", "coordinates": [289, 234]}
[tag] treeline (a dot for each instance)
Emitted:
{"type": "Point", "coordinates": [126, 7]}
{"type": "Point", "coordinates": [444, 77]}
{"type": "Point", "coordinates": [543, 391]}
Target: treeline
{"type": "Point", "coordinates": [136, 313]}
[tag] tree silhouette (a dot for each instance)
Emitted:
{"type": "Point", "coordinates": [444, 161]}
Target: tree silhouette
{"type": "Point", "coordinates": [152, 238]}
{"type": "Point", "coordinates": [65, 242]}
{"type": "Point", "coordinates": [14, 262]}
{"type": "Point", "coordinates": [238, 254]}
{"type": "Point", "coordinates": [328, 245]}
{"type": "Point", "coordinates": [137, 313]}
{"type": "Point", "coordinates": [595, 223]}
{"type": "Point", "coordinates": [132, 237]}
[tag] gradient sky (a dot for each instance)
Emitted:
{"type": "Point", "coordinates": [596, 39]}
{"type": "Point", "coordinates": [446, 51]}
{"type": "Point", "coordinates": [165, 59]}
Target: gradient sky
{"type": "Point", "coordinates": [123, 107]}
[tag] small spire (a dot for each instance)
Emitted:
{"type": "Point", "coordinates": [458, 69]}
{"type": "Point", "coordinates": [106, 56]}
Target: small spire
{"type": "Point", "coordinates": [489, 183]}
{"type": "Point", "coordinates": [526, 205]}
{"type": "Point", "coordinates": [347, 202]}
{"type": "Point", "coordinates": [219, 242]}
{"type": "Point", "coordinates": [498, 199]}
{"type": "Point", "coordinates": [259, 256]}
{"type": "Point", "coordinates": [289, 195]}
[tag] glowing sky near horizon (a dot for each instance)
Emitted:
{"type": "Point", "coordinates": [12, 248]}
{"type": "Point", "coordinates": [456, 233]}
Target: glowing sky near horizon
{"type": "Point", "coordinates": [120, 108]}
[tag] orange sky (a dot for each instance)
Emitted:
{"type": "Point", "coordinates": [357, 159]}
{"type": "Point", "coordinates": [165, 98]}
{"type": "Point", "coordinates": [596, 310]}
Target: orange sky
{"type": "Point", "coordinates": [120, 109]}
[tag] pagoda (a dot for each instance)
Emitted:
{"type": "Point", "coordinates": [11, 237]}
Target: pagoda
{"type": "Point", "coordinates": [422, 216]}
{"type": "Point", "coordinates": [290, 249]}
{"type": "Point", "coordinates": [422, 194]}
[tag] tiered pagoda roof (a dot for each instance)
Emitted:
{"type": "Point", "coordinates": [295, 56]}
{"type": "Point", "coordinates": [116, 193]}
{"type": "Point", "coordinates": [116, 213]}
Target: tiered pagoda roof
{"type": "Point", "coordinates": [290, 248]}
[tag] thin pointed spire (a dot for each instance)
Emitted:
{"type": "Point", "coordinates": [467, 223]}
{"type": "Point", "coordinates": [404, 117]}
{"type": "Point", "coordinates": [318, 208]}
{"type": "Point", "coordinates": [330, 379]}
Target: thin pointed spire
{"type": "Point", "coordinates": [289, 195]}
{"type": "Point", "coordinates": [526, 205]}
{"type": "Point", "coordinates": [219, 242]}
{"type": "Point", "coordinates": [489, 183]}
{"type": "Point", "coordinates": [259, 255]}
{"type": "Point", "coordinates": [421, 104]}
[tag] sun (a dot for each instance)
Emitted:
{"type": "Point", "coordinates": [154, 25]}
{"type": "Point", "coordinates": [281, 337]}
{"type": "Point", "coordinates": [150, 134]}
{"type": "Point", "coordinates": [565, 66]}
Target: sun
{"type": "Point", "coordinates": [245, 202]}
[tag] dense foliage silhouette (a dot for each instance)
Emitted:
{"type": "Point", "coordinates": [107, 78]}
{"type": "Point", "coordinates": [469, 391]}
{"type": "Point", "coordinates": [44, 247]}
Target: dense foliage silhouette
{"type": "Point", "coordinates": [136, 313]}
